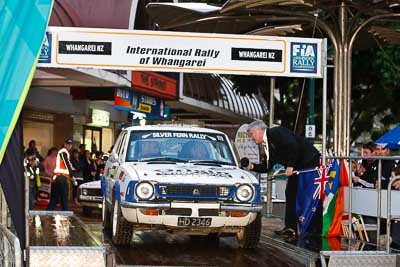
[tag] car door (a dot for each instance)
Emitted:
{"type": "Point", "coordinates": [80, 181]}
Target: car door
{"type": "Point", "coordinates": [113, 165]}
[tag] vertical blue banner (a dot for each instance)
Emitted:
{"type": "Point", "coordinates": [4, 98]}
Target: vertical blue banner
{"type": "Point", "coordinates": [22, 28]}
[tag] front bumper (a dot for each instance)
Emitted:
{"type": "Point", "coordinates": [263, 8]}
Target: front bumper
{"type": "Point", "coordinates": [168, 205]}
{"type": "Point", "coordinates": [222, 221]}
{"type": "Point", "coordinates": [91, 201]}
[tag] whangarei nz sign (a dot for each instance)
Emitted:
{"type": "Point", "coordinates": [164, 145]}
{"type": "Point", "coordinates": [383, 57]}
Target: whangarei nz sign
{"type": "Point", "coordinates": [183, 52]}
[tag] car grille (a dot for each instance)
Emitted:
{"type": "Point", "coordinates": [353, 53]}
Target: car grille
{"type": "Point", "coordinates": [193, 191]}
{"type": "Point", "coordinates": [94, 192]}
{"type": "Point", "coordinates": [178, 211]}
{"type": "Point", "coordinates": [208, 212]}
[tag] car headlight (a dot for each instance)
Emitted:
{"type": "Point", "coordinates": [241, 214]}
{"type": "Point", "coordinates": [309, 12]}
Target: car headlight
{"type": "Point", "coordinates": [84, 192]}
{"type": "Point", "coordinates": [244, 193]}
{"type": "Point", "coordinates": [144, 190]}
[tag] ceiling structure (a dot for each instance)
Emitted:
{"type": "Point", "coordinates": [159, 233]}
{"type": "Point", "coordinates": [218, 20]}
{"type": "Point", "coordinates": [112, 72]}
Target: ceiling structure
{"type": "Point", "coordinates": [217, 95]}
{"type": "Point", "coordinates": [215, 103]}
{"type": "Point", "coordinates": [344, 22]}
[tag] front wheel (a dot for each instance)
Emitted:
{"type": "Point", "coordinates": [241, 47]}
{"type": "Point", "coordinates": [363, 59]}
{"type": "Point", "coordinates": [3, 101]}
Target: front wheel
{"type": "Point", "coordinates": [122, 230]}
{"type": "Point", "coordinates": [249, 237]}
{"type": "Point", "coordinates": [87, 211]}
{"type": "Point", "coordinates": [106, 216]}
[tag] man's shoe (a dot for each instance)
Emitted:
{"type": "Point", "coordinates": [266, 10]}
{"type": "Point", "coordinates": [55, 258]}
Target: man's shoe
{"type": "Point", "coordinates": [280, 232]}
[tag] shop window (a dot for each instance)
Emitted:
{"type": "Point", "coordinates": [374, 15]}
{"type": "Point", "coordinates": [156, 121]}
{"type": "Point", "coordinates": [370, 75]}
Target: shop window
{"type": "Point", "coordinates": [41, 132]}
{"type": "Point", "coordinates": [107, 140]}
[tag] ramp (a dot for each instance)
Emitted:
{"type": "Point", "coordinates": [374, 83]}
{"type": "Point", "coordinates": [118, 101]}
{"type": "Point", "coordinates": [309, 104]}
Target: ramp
{"type": "Point", "coordinates": [358, 258]}
{"type": "Point", "coordinates": [62, 239]}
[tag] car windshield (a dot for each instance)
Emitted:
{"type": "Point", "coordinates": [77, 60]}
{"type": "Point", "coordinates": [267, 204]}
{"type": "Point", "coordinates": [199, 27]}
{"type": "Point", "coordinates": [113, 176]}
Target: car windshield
{"type": "Point", "coordinates": [179, 146]}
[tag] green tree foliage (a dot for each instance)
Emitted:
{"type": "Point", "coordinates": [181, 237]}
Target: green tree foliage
{"type": "Point", "coordinates": [376, 90]}
{"type": "Point", "coordinates": [375, 94]}
{"type": "Point", "coordinates": [287, 99]}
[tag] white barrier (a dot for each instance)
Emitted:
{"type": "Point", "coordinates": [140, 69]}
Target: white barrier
{"type": "Point", "coordinates": [10, 250]}
{"type": "Point", "coordinates": [364, 202]}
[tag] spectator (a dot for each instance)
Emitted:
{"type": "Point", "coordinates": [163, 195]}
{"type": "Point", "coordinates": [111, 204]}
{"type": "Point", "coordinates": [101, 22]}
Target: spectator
{"type": "Point", "coordinates": [365, 177]}
{"type": "Point", "coordinates": [31, 166]}
{"type": "Point", "coordinates": [388, 166]}
{"type": "Point", "coordinates": [50, 162]}
{"type": "Point", "coordinates": [32, 150]}
{"type": "Point", "coordinates": [396, 185]}
{"type": "Point", "coordinates": [97, 168]}
{"type": "Point", "coordinates": [77, 172]}
{"type": "Point", "coordinates": [87, 165]}
{"type": "Point", "coordinates": [101, 164]}
{"type": "Point", "coordinates": [82, 150]}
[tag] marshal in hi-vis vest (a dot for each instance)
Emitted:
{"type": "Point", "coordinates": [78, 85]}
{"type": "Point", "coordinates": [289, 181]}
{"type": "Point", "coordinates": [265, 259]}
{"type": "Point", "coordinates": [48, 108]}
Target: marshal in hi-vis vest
{"type": "Point", "coordinates": [61, 166]}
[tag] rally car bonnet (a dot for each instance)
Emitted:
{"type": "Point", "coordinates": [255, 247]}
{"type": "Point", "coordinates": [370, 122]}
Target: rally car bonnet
{"type": "Point", "coordinates": [189, 173]}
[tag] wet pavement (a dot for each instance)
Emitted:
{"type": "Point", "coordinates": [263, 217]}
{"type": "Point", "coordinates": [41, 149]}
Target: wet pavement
{"type": "Point", "coordinates": [60, 230]}
{"type": "Point", "coordinates": [164, 249]}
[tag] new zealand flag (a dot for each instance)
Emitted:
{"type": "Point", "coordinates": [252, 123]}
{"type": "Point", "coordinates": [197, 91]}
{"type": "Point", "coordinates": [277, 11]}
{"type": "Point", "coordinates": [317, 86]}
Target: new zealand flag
{"type": "Point", "coordinates": [310, 193]}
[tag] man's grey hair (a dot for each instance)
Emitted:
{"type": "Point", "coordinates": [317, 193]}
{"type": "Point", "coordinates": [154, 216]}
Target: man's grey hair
{"type": "Point", "coordinates": [257, 124]}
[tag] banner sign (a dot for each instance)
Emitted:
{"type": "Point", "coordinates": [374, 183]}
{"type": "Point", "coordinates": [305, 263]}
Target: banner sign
{"type": "Point", "coordinates": [245, 145]}
{"type": "Point", "coordinates": [99, 118]}
{"type": "Point", "coordinates": [185, 52]}
{"type": "Point", "coordinates": [129, 100]}
{"type": "Point", "coordinates": [154, 84]}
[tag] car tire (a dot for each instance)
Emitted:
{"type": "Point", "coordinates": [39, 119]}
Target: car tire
{"type": "Point", "coordinates": [106, 217]}
{"type": "Point", "coordinates": [122, 230]}
{"type": "Point", "coordinates": [249, 237]}
{"type": "Point", "coordinates": [87, 211]}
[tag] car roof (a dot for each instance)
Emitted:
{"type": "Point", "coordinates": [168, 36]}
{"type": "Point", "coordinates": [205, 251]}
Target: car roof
{"type": "Point", "coordinates": [163, 127]}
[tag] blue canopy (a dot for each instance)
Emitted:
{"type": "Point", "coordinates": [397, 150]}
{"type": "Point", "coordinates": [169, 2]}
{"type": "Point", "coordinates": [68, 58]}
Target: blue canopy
{"type": "Point", "coordinates": [390, 139]}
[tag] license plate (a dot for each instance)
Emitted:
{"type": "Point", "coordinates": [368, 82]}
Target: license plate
{"type": "Point", "coordinates": [196, 222]}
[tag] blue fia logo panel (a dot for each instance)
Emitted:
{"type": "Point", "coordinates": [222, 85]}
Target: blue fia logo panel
{"type": "Point", "coordinates": [303, 57]}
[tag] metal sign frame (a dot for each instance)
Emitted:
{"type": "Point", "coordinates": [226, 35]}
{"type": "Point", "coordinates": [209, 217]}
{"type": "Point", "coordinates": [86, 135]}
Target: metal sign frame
{"type": "Point", "coordinates": [71, 47]}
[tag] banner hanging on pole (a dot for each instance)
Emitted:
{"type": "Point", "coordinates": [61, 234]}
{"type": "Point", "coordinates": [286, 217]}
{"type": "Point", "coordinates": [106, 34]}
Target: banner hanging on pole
{"type": "Point", "coordinates": [183, 52]}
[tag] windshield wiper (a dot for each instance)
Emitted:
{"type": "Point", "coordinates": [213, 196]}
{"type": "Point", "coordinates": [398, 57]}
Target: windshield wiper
{"type": "Point", "coordinates": [214, 162]}
{"type": "Point", "coordinates": [163, 159]}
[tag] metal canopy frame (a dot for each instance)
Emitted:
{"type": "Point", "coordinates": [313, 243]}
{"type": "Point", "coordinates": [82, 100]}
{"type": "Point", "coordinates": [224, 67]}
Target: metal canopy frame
{"type": "Point", "coordinates": [341, 21]}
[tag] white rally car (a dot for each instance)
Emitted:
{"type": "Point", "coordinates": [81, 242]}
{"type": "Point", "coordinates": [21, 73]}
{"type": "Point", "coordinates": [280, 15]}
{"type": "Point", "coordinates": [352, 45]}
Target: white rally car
{"type": "Point", "coordinates": [90, 196]}
{"type": "Point", "coordinates": [180, 179]}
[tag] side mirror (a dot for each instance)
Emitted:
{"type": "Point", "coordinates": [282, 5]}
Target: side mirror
{"type": "Point", "coordinates": [113, 157]}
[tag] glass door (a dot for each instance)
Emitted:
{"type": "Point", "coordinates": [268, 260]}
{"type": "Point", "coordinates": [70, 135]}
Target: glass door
{"type": "Point", "coordinates": [92, 138]}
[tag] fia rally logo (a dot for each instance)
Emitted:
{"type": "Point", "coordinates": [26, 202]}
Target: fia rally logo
{"type": "Point", "coordinates": [303, 57]}
{"type": "Point", "coordinates": [45, 52]}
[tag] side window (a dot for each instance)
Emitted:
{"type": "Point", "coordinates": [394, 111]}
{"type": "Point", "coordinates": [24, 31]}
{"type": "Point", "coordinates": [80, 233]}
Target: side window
{"type": "Point", "coordinates": [121, 147]}
{"type": "Point", "coordinates": [117, 144]}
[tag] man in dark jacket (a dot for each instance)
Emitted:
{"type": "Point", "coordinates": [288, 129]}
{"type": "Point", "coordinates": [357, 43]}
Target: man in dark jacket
{"type": "Point", "coordinates": [295, 153]}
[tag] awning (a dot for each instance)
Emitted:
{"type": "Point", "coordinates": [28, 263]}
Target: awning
{"type": "Point", "coordinates": [75, 13]}
{"type": "Point", "coordinates": [82, 77]}
{"type": "Point", "coordinates": [212, 98]}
